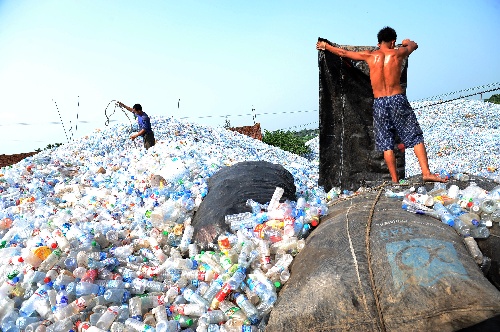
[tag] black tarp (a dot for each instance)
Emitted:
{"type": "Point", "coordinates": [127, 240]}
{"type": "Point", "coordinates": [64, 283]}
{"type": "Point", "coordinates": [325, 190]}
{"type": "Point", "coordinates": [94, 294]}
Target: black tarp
{"type": "Point", "coordinates": [371, 266]}
{"type": "Point", "coordinates": [347, 156]}
{"type": "Point", "coordinates": [230, 188]}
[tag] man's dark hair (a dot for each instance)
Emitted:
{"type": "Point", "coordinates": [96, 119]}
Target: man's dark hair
{"type": "Point", "coordinates": [387, 34]}
{"type": "Point", "coordinates": [137, 107]}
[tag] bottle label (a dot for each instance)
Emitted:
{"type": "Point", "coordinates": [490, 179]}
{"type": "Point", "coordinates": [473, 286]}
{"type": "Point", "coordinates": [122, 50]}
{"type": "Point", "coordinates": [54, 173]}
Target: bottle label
{"type": "Point", "coordinates": [223, 292]}
{"type": "Point", "coordinates": [81, 303]}
{"type": "Point", "coordinates": [42, 252]}
{"type": "Point", "coordinates": [258, 230]}
{"type": "Point", "coordinates": [231, 311]}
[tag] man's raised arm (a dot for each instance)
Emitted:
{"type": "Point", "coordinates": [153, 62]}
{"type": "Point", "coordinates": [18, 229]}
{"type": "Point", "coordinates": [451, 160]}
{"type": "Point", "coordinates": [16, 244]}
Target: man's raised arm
{"type": "Point", "coordinates": [358, 56]}
{"type": "Point", "coordinates": [408, 46]}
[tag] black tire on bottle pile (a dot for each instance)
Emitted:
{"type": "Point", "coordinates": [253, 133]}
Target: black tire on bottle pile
{"type": "Point", "coordinates": [230, 188]}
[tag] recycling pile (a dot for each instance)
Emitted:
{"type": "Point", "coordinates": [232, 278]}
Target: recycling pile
{"type": "Point", "coordinates": [471, 211]}
{"type": "Point", "coordinates": [91, 240]}
{"type": "Point", "coordinates": [461, 136]}
{"type": "Point", "coordinates": [83, 246]}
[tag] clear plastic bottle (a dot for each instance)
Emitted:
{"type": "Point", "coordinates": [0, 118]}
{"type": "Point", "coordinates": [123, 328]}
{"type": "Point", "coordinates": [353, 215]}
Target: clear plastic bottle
{"type": "Point", "coordinates": [8, 323]}
{"type": "Point", "coordinates": [108, 317]}
{"type": "Point", "coordinates": [212, 290]}
{"type": "Point", "coordinates": [488, 204]}
{"type": "Point", "coordinates": [61, 298]}
{"type": "Point", "coordinates": [152, 300]}
{"type": "Point", "coordinates": [186, 237]}
{"type": "Point", "coordinates": [162, 322]}
{"type": "Point", "coordinates": [23, 322]}
{"type": "Point", "coordinates": [232, 311]}
{"type": "Point", "coordinates": [74, 307]}
{"type": "Point", "coordinates": [194, 297]}
{"type": "Point", "coordinates": [266, 294]}
{"type": "Point", "coordinates": [445, 215]}
{"type": "Point", "coordinates": [50, 261]}
{"type": "Point", "coordinates": [43, 308]}
{"type": "Point", "coordinates": [462, 228]}
{"type": "Point", "coordinates": [474, 249]}
{"type": "Point", "coordinates": [189, 309]}
{"type": "Point", "coordinates": [138, 326]}
{"type": "Point", "coordinates": [275, 199]}
{"type": "Point", "coordinates": [208, 258]}
{"type": "Point", "coordinates": [238, 328]}
{"type": "Point", "coordinates": [214, 317]}
{"type": "Point", "coordinates": [184, 321]}
{"type": "Point", "coordinates": [87, 288]}
{"type": "Point", "coordinates": [8, 286]}
{"type": "Point", "coordinates": [281, 265]}
{"type": "Point", "coordinates": [28, 306]}
{"type": "Point", "coordinates": [248, 308]}
{"type": "Point", "coordinates": [135, 308]}
{"type": "Point", "coordinates": [117, 295]}
{"type": "Point", "coordinates": [470, 219]}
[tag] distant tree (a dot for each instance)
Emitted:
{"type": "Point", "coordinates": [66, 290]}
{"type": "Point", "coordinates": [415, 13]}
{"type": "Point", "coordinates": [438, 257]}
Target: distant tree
{"type": "Point", "coordinates": [287, 140]}
{"type": "Point", "coordinates": [494, 99]}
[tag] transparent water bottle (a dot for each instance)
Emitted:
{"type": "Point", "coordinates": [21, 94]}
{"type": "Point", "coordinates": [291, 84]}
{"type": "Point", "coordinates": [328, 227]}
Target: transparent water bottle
{"type": "Point", "coordinates": [474, 249]}
{"type": "Point", "coordinates": [28, 306]}
{"type": "Point", "coordinates": [74, 307]}
{"type": "Point", "coordinates": [108, 317]}
{"type": "Point", "coordinates": [462, 228]}
{"type": "Point", "coordinates": [117, 295]}
{"type": "Point", "coordinates": [232, 311]}
{"type": "Point", "coordinates": [444, 214]}
{"type": "Point", "coordinates": [189, 309]}
{"type": "Point", "coordinates": [194, 297]}
{"type": "Point", "coordinates": [135, 308]}
{"type": "Point", "coordinates": [138, 326]}
{"type": "Point", "coordinates": [247, 307]}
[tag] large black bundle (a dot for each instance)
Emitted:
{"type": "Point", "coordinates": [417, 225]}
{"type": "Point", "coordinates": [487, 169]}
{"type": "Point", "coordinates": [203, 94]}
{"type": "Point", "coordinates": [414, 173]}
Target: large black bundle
{"type": "Point", "coordinates": [347, 156]}
{"type": "Point", "coordinates": [371, 266]}
{"type": "Point", "coordinates": [231, 187]}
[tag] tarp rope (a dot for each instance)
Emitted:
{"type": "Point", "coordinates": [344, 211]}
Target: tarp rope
{"type": "Point", "coordinates": [369, 257]}
{"type": "Point", "coordinates": [380, 189]}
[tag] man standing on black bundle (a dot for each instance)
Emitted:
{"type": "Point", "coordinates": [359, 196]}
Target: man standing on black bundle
{"type": "Point", "coordinates": [391, 109]}
{"type": "Point", "coordinates": [144, 125]}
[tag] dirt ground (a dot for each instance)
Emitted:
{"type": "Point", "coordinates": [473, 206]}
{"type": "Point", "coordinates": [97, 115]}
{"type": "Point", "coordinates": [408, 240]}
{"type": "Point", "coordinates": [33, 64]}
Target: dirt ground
{"type": "Point", "coordinates": [11, 159]}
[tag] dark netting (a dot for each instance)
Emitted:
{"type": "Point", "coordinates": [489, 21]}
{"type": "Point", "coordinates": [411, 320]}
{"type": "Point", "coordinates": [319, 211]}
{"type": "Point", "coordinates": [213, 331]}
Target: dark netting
{"type": "Point", "coordinates": [347, 156]}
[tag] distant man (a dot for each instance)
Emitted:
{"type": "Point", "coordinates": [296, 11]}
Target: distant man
{"type": "Point", "coordinates": [391, 109]}
{"type": "Point", "coordinates": [144, 125]}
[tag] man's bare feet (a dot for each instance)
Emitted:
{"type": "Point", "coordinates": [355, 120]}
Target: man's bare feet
{"type": "Point", "coordinates": [433, 178]}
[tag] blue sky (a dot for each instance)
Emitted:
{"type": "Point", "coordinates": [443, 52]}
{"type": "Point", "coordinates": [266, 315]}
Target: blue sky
{"type": "Point", "coordinates": [218, 57]}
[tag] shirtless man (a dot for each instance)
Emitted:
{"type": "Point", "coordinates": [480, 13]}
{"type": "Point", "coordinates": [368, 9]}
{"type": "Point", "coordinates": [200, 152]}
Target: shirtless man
{"type": "Point", "coordinates": [391, 109]}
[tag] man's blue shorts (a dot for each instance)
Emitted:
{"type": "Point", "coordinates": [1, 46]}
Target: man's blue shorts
{"type": "Point", "coordinates": [393, 114]}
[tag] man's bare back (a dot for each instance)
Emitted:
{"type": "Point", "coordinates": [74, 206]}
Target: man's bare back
{"type": "Point", "coordinates": [384, 63]}
{"type": "Point", "coordinates": [385, 74]}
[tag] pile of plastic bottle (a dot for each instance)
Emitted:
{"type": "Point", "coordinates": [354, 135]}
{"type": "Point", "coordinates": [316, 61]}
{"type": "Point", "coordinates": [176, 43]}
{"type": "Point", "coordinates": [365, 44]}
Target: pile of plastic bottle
{"type": "Point", "coordinates": [90, 240]}
{"type": "Point", "coordinates": [471, 211]}
{"type": "Point", "coordinates": [460, 136]}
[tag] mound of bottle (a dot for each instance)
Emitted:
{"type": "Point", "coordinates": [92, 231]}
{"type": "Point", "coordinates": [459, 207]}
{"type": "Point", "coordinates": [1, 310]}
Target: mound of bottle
{"type": "Point", "coordinates": [471, 211]}
{"type": "Point", "coordinates": [84, 270]}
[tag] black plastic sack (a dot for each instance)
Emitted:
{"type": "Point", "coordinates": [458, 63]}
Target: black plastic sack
{"type": "Point", "coordinates": [371, 266]}
{"type": "Point", "coordinates": [347, 156]}
{"type": "Point", "coordinates": [231, 187]}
